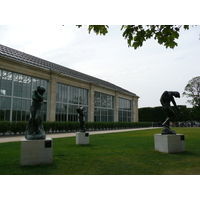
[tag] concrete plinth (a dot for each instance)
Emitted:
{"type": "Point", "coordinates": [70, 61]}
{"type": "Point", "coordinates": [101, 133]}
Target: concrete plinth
{"type": "Point", "coordinates": [82, 138]}
{"type": "Point", "coordinates": [173, 143]}
{"type": "Point", "coordinates": [34, 152]}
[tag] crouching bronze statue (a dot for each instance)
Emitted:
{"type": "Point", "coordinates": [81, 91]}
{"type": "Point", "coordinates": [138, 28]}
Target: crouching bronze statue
{"type": "Point", "coordinates": [166, 98]}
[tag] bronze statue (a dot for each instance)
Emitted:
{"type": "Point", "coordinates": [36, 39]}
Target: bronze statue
{"type": "Point", "coordinates": [35, 129]}
{"type": "Point", "coordinates": [81, 117]}
{"type": "Point", "coordinates": [166, 98]}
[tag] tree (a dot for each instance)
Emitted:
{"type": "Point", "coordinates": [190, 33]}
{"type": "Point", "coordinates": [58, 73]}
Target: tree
{"type": "Point", "coordinates": [192, 90]}
{"type": "Point", "coordinates": [136, 35]}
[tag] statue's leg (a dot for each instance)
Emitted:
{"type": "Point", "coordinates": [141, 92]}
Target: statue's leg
{"type": "Point", "coordinates": [166, 124]}
{"type": "Point", "coordinates": [37, 121]}
{"type": "Point", "coordinates": [170, 116]}
{"type": "Point", "coordinates": [32, 121]}
{"type": "Point", "coordinates": [39, 127]}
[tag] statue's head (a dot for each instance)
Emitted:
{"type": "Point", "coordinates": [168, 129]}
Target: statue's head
{"type": "Point", "coordinates": [79, 109]}
{"type": "Point", "coordinates": [177, 94]}
{"type": "Point", "coordinates": [41, 89]}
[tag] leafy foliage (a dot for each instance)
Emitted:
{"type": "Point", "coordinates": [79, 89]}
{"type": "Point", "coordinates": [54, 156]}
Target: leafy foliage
{"type": "Point", "coordinates": [164, 34]}
{"type": "Point", "coordinates": [136, 35]}
{"type": "Point", "coordinates": [192, 90]}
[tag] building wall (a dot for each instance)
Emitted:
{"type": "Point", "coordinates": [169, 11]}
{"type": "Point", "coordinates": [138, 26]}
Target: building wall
{"type": "Point", "coordinates": [54, 78]}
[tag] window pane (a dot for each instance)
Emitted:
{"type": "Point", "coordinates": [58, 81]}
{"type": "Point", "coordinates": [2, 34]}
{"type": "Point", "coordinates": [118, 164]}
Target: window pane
{"type": "Point", "coordinates": [103, 100]}
{"type": "Point", "coordinates": [22, 85]}
{"type": "Point", "coordinates": [105, 103]}
{"type": "Point", "coordinates": [5, 106]}
{"type": "Point", "coordinates": [72, 97]}
{"type": "Point", "coordinates": [21, 110]}
{"type": "Point", "coordinates": [97, 99]}
{"type": "Point", "coordinates": [5, 82]}
{"type": "Point", "coordinates": [124, 110]}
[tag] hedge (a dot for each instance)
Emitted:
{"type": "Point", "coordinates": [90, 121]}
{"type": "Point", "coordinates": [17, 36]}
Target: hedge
{"type": "Point", "coordinates": [57, 127]}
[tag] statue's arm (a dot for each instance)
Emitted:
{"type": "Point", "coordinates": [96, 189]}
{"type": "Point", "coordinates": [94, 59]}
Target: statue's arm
{"type": "Point", "coordinates": [40, 97]}
{"type": "Point", "coordinates": [34, 97]}
{"type": "Point", "coordinates": [173, 101]}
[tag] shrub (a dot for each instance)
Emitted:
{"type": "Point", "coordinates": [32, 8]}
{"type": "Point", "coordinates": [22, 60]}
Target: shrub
{"type": "Point", "coordinates": [4, 127]}
{"type": "Point", "coordinates": [47, 126]}
{"type": "Point", "coordinates": [73, 126]}
{"type": "Point", "coordinates": [20, 127]}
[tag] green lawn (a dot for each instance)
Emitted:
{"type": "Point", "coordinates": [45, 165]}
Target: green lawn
{"type": "Point", "coordinates": [122, 153]}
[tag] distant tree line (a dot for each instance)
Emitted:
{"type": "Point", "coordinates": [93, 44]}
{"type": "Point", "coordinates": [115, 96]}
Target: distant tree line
{"type": "Point", "coordinates": [156, 114]}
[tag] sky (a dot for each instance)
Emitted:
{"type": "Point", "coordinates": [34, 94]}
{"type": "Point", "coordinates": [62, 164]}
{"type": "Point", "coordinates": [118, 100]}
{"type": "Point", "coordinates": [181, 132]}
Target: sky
{"type": "Point", "coordinates": [147, 71]}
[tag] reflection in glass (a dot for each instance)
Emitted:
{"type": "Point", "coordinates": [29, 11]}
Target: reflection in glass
{"type": "Point", "coordinates": [15, 95]}
{"type": "Point", "coordinates": [124, 112]}
{"type": "Point", "coordinates": [103, 107]}
{"type": "Point", "coordinates": [68, 98]}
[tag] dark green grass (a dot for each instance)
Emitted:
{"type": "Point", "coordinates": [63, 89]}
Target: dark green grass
{"type": "Point", "coordinates": [126, 153]}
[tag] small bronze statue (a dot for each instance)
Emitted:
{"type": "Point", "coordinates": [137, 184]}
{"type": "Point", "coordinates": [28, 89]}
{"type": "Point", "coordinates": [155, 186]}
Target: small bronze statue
{"type": "Point", "coordinates": [35, 129]}
{"type": "Point", "coordinates": [166, 98]}
{"type": "Point", "coordinates": [81, 117]}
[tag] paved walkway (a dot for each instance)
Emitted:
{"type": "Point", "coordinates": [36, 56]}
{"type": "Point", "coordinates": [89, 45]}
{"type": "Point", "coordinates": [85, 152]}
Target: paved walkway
{"type": "Point", "coordinates": [4, 139]}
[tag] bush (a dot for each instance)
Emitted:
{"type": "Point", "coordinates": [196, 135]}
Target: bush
{"type": "Point", "coordinates": [47, 126]}
{"type": "Point", "coordinates": [53, 127]}
{"type": "Point", "coordinates": [73, 126]}
{"type": "Point", "coordinates": [60, 126]}
{"type": "Point", "coordinates": [115, 125]}
{"type": "Point", "coordinates": [4, 127]}
{"type": "Point", "coordinates": [18, 127]}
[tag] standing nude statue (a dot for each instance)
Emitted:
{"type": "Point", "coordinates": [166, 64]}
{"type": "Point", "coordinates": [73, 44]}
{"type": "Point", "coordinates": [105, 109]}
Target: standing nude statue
{"type": "Point", "coordinates": [166, 98]}
{"type": "Point", "coordinates": [81, 117]}
{"type": "Point", "coordinates": [35, 129]}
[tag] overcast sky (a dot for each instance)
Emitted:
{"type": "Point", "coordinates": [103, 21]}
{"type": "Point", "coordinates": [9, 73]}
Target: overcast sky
{"type": "Point", "coordinates": [147, 71]}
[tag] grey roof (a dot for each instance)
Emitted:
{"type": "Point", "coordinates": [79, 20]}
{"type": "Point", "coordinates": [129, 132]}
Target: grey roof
{"type": "Point", "coordinates": [22, 57]}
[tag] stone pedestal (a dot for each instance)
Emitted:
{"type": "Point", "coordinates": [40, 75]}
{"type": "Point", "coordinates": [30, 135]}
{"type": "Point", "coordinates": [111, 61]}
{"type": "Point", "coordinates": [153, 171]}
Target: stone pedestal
{"type": "Point", "coordinates": [172, 143]}
{"type": "Point", "coordinates": [34, 152]}
{"type": "Point", "coordinates": [82, 138]}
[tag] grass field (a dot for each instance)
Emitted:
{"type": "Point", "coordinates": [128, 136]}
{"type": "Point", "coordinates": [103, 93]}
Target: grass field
{"type": "Point", "coordinates": [125, 153]}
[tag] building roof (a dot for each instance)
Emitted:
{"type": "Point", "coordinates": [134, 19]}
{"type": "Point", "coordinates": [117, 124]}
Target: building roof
{"type": "Point", "coordinates": [22, 57]}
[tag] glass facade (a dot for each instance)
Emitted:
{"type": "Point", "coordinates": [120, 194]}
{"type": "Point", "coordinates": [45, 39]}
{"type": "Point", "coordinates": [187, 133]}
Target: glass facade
{"type": "Point", "coordinates": [103, 107]}
{"type": "Point", "coordinates": [125, 110]}
{"type": "Point", "coordinates": [68, 98]}
{"type": "Point", "coordinates": [5, 104]}
{"type": "Point", "coordinates": [15, 96]}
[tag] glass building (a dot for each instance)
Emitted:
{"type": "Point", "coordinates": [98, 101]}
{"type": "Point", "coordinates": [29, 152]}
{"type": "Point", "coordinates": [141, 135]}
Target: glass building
{"type": "Point", "coordinates": [68, 98]}
{"type": "Point", "coordinates": [15, 95]}
{"type": "Point", "coordinates": [103, 107]}
{"type": "Point", "coordinates": [66, 89]}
